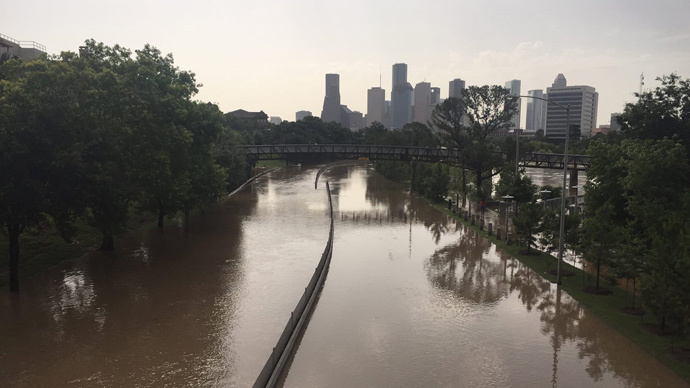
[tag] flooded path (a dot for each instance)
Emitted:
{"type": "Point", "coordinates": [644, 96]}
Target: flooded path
{"type": "Point", "coordinates": [411, 299]}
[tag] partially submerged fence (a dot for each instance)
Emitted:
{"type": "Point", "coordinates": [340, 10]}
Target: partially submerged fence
{"type": "Point", "coordinates": [273, 368]}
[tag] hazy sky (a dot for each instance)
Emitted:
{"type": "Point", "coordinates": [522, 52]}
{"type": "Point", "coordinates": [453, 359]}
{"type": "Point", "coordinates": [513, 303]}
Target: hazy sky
{"type": "Point", "coordinates": [273, 55]}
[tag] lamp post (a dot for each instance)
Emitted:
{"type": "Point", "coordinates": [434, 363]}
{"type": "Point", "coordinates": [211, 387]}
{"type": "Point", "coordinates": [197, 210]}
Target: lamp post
{"type": "Point", "coordinates": [469, 204]}
{"type": "Point", "coordinates": [507, 198]}
{"type": "Point", "coordinates": [561, 238]}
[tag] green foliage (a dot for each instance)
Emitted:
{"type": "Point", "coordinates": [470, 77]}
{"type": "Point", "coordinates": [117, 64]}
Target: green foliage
{"type": "Point", "coordinates": [90, 134]}
{"type": "Point", "coordinates": [662, 112]}
{"type": "Point", "coordinates": [521, 188]}
{"type": "Point", "coordinates": [466, 123]}
{"type": "Point", "coordinates": [430, 180]}
{"type": "Point", "coordinates": [639, 188]}
{"type": "Point", "coordinates": [528, 222]}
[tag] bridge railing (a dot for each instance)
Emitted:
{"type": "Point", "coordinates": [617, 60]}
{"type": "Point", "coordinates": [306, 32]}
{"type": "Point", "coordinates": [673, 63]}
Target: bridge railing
{"type": "Point", "coordinates": [403, 153]}
{"type": "Point", "coordinates": [272, 370]}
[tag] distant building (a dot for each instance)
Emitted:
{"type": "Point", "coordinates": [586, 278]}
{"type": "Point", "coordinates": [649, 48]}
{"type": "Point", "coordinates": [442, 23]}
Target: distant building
{"type": "Point", "coordinates": [376, 105]}
{"type": "Point", "coordinates": [300, 115]}
{"type": "Point", "coordinates": [456, 88]}
{"type": "Point", "coordinates": [401, 97]}
{"type": "Point", "coordinates": [356, 121]}
{"type": "Point", "coordinates": [614, 122]}
{"type": "Point", "coordinates": [27, 50]}
{"type": "Point", "coordinates": [422, 99]}
{"type": "Point", "coordinates": [345, 116]}
{"type": "Point", "coordinates": [583, 101]}
{"type": "Point", "coordinates": [331, 102]}
{"type": "Point", "coordinates": [602, 129]}
{"type": "Point", "coordinates": [252, 119]}
{"type": "Point", "coordinates": [435, 97]}
{"type": "Point", "coordinates": [536, 111]}
{"type": "Point", "coordinates": [275, 120]}
{"type": "Point", "coordinates": [513, 87]}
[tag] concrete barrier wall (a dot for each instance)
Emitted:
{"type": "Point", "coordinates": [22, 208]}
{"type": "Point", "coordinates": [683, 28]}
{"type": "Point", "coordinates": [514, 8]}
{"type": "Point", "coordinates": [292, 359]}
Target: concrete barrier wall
{"type": "Point", "coordinates": [276, 362]}
{"type": "Point", "coordinates": [250, 180]}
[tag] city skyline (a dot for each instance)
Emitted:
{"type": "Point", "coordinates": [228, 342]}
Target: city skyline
{"type": "Point", "coordinates": [272, 55]}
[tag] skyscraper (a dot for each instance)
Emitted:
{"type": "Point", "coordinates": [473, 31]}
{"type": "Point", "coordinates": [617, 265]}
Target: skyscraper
{"type": "Point", "coordinates": [536, 111]}
{"type": "Point", "coordinates": [583, 101]}
{"type": "Point", "coordinates": [455, 88]}
{"type": "Point", "coordinates": [435, 98]}
{"type": "Point", "coordinates": [401, 97]}
{"type": "Point", "coordinates": [513, 87]}
{"type": "Point", "coordinates": [376, 105]}
{"type": "Point", "coordinates": [331, 103]}
{"type": "Point", "coordinates": [422, 97]}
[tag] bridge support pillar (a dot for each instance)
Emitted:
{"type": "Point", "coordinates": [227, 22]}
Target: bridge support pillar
{"type": "Point", "coordinates": [572, 188]}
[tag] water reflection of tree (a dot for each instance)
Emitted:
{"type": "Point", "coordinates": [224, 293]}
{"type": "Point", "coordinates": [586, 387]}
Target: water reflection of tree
{"type": "Point", "coordinates": [480, 279]}
{"type": "Point", "coordinates": [465, 269]}
{"type": "Point", "coordinates": [530, 286]}
{"type": "Point", "coordinates": [566, 321]}
{"type": "Point", "coordinates": [382, 191]}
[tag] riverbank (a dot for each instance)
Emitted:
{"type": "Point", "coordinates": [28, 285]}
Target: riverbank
{"type": "Point", "coordinates": [639, 329]}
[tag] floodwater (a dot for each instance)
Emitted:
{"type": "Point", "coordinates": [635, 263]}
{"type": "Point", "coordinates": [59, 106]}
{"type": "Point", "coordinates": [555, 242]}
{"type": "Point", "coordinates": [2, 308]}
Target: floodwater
{"type": "Point", "coordinates": [412, 299]}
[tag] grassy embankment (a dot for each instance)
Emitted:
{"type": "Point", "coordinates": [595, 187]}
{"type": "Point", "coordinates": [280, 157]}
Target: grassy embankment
{"type": "Point", "coordinates": [42, 247]}
{"type": "Point", "coordinates": [606, 307]}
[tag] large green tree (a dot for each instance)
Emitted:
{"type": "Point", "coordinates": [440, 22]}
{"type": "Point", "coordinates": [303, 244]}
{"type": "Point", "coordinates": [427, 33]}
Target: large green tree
{"type": "Point", "coordinates": [160, 96]}
{"type": "Point", "coordinates": [466, 123]}
{"type": "Point", "coordinates": [42, 140]}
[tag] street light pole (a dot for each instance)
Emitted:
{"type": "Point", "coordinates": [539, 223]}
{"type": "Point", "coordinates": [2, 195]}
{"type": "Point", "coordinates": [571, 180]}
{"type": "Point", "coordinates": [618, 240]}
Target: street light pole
{"type": "Point", "coordinates": [517, 151]}
{"type": "Point", "coordinates": [561, 237]}
{"type": "Point", "coordinates": [507, 199]}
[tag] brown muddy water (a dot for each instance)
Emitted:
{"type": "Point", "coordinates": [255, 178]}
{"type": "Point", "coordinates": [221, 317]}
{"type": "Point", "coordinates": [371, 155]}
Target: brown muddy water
{"type": "Point", "coordinates": [412, 299]}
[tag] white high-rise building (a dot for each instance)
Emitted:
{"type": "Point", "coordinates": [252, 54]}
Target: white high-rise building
{"type": "Point", "coordinates": [536, 111]}
{"type": "Point", "coordinates": [422, 97]}
{"type": "Point", "coordinates": [583, 101]}
{"type": "Point", "coordinates": [513, 87]}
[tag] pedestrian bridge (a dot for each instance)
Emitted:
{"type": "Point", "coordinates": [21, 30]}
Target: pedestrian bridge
{"type": "Point", "coordinates": [400, 153]}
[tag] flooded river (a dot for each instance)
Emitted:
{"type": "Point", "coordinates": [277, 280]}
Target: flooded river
{"type": "Point", "coordinates": [412, 299]}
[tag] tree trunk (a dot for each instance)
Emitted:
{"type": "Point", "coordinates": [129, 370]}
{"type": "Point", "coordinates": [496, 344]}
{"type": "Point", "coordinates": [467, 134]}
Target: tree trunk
{"type": "Point", "coordinates": [108, 243]}
{"type": "Point", "coordinates": [161, 214]}
{"type": "Point", "coordinates": [14, 230]}
{"type": "Point", "coordinates": [633, 301]}
{"type": "Point", "coordinates": [598, 270]}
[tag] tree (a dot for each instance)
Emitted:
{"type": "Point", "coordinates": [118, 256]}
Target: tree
{"type": "Point", "coordinates": [601, 241]}
{"type": "Point", "coordinates": [662, 112]}
{"type": "Point", "coordinates": [160, 96]}
{"type": "Point", "coordinates": [527, 224]}
{"type": "Point", "coordinates": [466, 123]}
{"type": "Point", "coordinates": [109, 156]}
{"type": "Point", "coordinates": [521, 189]}
{"type": "Point", "coordinates": [41, 147]}
{"type": "Point", "coordinates": [657, 191]}
{"type": "Point", "coordinates": [207, 178]}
